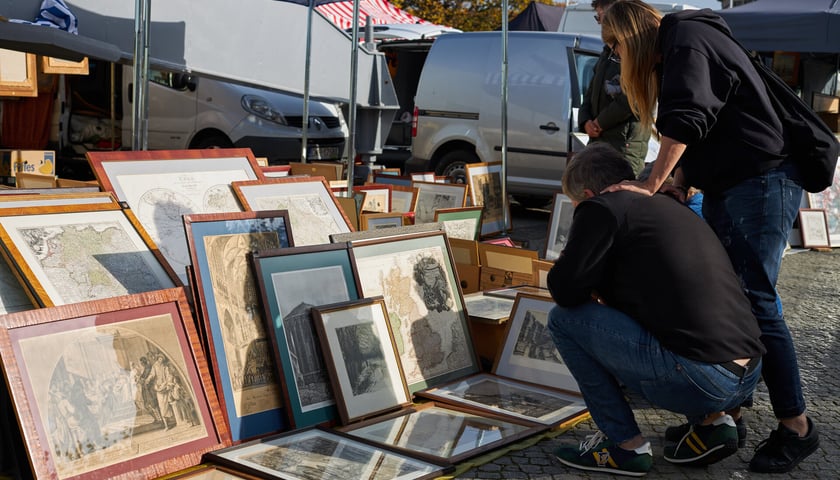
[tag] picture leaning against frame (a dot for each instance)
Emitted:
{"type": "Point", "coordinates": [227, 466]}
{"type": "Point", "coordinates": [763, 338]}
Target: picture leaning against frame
{"type": "Point", "coordinates": [559, 224]}
{"type": "Point", "coordinates": [463, 223]}
{"type": "Point", "coordinates": [485, 181]}
{"type": "Point", "coordinates": [813, 225]}
{"type": "Point", "coordinates": [432, 196]}
{"type": "Point", "coordinates": [239, 346]}
{"type": "Point", "coordinates": [161, 186]}
{"type": "Point", "coordinates": [161, 414]}
{"type": "Point", "coordinates": [292, 281]}
{"type": "Point", "coordinates": [829, 200]}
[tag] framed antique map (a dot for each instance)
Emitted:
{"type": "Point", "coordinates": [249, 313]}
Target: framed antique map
{"type": "Point", "coordinates": [111, 388]}
{"type": "Point", "coordinates": [161, 186]}
{"type": "Point", "coordinates": [239, 345]}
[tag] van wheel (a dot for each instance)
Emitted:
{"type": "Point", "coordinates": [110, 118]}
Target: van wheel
{"type": "Point", "coordinates": [454, 165]}
{"type": "Point", "coordinates": [215, 140]}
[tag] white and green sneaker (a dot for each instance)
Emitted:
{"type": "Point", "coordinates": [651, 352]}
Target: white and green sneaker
{"type": "Point", "coordinates": [599, 454]}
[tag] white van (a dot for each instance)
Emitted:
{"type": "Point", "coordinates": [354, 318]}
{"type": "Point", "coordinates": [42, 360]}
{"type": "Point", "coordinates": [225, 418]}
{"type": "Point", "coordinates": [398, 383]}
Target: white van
{"type": "Point", "coordinates": [580, 17]}
{"type": "Point", "coordinates": [458, 106]}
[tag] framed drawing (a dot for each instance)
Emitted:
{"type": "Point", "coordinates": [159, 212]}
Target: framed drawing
{"type": "Point", "coordinates": [432, 196]}
{"type": "Point", "coordinates": [379, 221]}
{"type": "Point", "coordinates": [67, 67]}
{"type": "Point", "coordinates": [813, 224]}
{"type": "Point", "coordinates": [378, 197]}
{"type": "Point", "coordinates": [18, 74]}
{"type": "Point", "coordinates": [161, 413]}
{"type": "Point", "coordinates": [161, 186]}
{"type": "Point", "coordinates": [317, 453]}
{"type": "Point", "coordinates": [541, 269]}
{"type": "Point", "coordinates": [74, 253]}
{"type": "Point", "coordinates": [829, 200]}
{"type": "Point", "coordinates": [227, 297]}
{"type": "Point", "coordinates": [509, 398]}
{"type": "Point", "coordinates": [485, 181]}
{"type": "Point", "coordinates": [55, 199]}
{"type": "Point", "coordinates": [559, 224]}
{"type": "Point", "coordinates": [314, 212]}
{"type": "Point", "coordinates": [441, 433]}
{"type": "Point", "coordinates": [529, 354]}
{"type": "Point", "coordinates": [292, 281]}
{"type": "Point", "coordinates": [463, 222]}
{"type": "Point", "coordinates": [403, 199]}
{"type": "Point", "coordinates": [362, 359]}
{"type": "Point", "coordinates": [416, 276]}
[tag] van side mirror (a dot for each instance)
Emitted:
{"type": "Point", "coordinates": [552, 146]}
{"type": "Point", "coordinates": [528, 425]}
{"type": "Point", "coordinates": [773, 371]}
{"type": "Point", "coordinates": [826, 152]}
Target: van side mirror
{"type": "Point", "coordinates": [181, 81]}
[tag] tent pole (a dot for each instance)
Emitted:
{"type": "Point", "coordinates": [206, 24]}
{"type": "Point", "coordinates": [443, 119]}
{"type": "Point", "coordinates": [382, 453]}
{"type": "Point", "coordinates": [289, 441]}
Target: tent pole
{"type": "Point", "coordinates": [304, 127]}
{"type": "Point", "coordinates": [140, 101]}
{"type": "Point", "coordinates": [503, 172]}
{"type": "Point", "coordinates": [351, 120]}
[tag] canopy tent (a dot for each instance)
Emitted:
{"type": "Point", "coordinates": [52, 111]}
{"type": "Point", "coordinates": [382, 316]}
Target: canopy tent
{"type": "Point", "coordinates": [538, 17]}
{"type": "Point", "coordinates": [380, 12]}
{"type": "Point", "coordinates": [53, 42]}
{"type": "Point", "coordinates": [800, 26]}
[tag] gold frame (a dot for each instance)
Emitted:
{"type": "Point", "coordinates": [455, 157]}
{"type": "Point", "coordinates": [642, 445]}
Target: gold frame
{"type": "Point", "coordinates": [61, 66]}
{"type": "Point", "coordinates": [25, 88]}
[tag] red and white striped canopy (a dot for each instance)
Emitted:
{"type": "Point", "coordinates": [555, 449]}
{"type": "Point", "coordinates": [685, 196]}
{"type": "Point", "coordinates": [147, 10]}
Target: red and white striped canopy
{"type": "Point", "coordinates": [380, 11]}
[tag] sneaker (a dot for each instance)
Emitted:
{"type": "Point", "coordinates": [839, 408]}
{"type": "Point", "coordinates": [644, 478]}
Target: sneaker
{"type": "Point", "coordinates": [784, 449]}
{"type": "Point", "coordinates": [598, 454]}
{"type": "Point", "coordinates": [705, 444]}
{"type": "Point", "coordinates": [677, 432]}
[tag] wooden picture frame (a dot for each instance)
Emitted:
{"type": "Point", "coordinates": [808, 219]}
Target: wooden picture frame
{"type": "Point", "coordinates": [464, 251]}
{"type": "Point", "coordinates": [485, 181]}
{"type": "Point", "coordinates": [813, 224]}
{"type": "Point", "coordinates": [35, 180]}
{"type": "Point", "coordinates": [380, 221]}
{"type": "Point", "coordinates": [73, 253]}
{"type": "Point", "coordinates": [66, 67]}
{"type": "Point", "coordinates": [378, 198]}
{"type": "Point", "coordinates": [29, 200]}
{"type": "Point", "coordinates": [464, 223]}
{"type": "Point", "coordinates": [829, 200]}
{"type": "Point", "coordinates": [512, 292]}
{"type": "Point", "coordinates": [416, 276]}
{"type": "Point", "coordinates": [291, 282]}
{"type": "Point", "coordinates": [423, 177]}
{"type": "Point", "coordinates": [403, 199]}
{"type": "Point", "coordinates": [227, 297]}
{"type": "Point", "coordinates": [508, 397]}
{"type": "Point", "coordinates": [432, 196]}
{"type": "Point", "coordinates": [364, 235]}
{"type": "Point", "coordinates": [330, 171]}
{"type": "Point", "coordinates": [162, 185]}
{"type": "Point", "coordinates": [320, 453]}
{"type": "Point", "coordinates": [18, 74]}
{"type": "Point", "coordinates": [362, 359]}
{"type": "Point", "coordinates": [275, 171]}
{"type": "Point", "coordinates": [350, 207]}
{"type": "Point", "coordinates": [314, 212]}
{"type": "Point", "coordinates": [506, 258]}
{"type": "Point", "coordinates": [51, 356]}
{"type": "Point", "coordinates": [541, 269]}
{"type": "Point", "coordinates": [559, 224]}
{"type": "Point", "coordinates": [529, 353]}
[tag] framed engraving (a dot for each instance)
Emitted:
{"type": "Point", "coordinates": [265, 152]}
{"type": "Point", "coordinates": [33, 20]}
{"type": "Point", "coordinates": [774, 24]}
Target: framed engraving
{"type": "Point", "coordinates": [463, 223]}
{"type": "Point", "coordinates": [829, 200]}
{"type": "Point", "coordinates": [432, 196]}
{"type": "Point", "coordinates": [485, 181]}
{"type": "Point", "coordinates": [558, 226]}
{"type": "Point", "coordinates": [813, 224]}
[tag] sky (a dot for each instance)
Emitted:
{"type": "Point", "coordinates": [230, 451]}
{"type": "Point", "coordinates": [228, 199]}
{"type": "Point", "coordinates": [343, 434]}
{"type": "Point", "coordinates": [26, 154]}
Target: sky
{"type": "Point", "coordinates": [713, 4]}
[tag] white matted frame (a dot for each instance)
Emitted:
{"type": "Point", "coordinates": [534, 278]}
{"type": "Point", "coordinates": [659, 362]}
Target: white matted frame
{"type": "Point", "coordinates": [558, 226]}
{"type": "Point", "coordinates": [485, 181]}
{"type": "Point", "coordinates": [432, 196]}
{"type": "Point", "coordinates": [829, 200]}
{"type": "Point", "coordinates": [813, 223]}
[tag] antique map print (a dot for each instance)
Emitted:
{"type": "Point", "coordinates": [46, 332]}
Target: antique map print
{"type": "Point", "coordinates": [310, 219]}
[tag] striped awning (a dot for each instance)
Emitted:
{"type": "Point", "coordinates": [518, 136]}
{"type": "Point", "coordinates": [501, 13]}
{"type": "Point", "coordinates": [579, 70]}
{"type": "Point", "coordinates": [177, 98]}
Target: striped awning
{"type": "Point", "coordinates": [380, 12]}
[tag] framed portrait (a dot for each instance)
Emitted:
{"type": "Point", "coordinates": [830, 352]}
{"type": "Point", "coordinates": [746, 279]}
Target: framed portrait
{"type": "Point", "coordinates": [813, 224]}
{"type": "Point", "coordinates": [541, 269]}
{"type": "Point", "coordinates": [463, 222]}
{"type": "Point", "coordinates": [319, 453]}
{"type": "Point", "coordinates": [67, 67]}
{"type": "Point", "coordinates": [529, 353]}
{"type": "Point", "coordinates": [416, 276]}
{"type": "Point", "coordinates": [292, 281]}
{"type": "Point", "coordinates": [487, 308]}
{"type": "Point", "coordinates": [403, 199]}
{"type": "Point", "coordinates": [559, 224]}
{"type": "Point", "coordinates": [485, 181]}
{"type": "Point", "coordinates": [362, 360]}
{"type": "Point", "coordinates": [464, 251]}
{"type": "Point", "coordinates": [55, 199]}
{"type": "Point", "coordinates": [509, 398]}
{"type": "Point", "coordinates": [829, 200]}
{"type": "Point", "coordinates": [227, 297]}
{"type": "Point", "coordinates": [379, 221]}
{"type": "Point", "coordinates": [313, 210]}
{"type": "Point", "coordinates": [111, 388]}
{"type": "Point", "coordinates": [378, 198]}
{"type": "Point", "coordinates": [18, 74]}
{"type": "Point", "coordinates": [432, 196]}
{"type": "Point", "coordinates": [161, 186]}
{"type": "Point", "coordinates": [75, 253]}
{"type": "Point", "coordinates": [441, 433]}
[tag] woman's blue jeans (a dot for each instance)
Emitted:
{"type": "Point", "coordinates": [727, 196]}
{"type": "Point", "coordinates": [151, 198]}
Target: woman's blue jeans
{"type": "Point", "coordinates": [753, 221]}
{"type": "Point", "coordinates": [604, 348]}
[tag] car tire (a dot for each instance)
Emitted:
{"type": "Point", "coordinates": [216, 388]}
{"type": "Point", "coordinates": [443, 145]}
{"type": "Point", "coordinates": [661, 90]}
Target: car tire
{"type": "Point", "coordinates": [213, 140]}
{"type": "Point", "coordinates": [533, 201]}
{"type": "Point", "coordinates": [454, 165]}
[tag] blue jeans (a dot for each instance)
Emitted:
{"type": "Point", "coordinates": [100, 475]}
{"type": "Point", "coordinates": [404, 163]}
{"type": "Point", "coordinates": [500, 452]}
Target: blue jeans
{"type": "Point", "coordinates": [603, 348]}
{"type": "Point", "coordinates": [753, 221]}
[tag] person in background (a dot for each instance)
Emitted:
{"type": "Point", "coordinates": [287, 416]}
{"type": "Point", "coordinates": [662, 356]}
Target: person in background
{"type": "Point", "coordinates": [605, 116]}
{"type": "Point", "coordinates": [647, 298]}
{"type": "Point", "coordinates": [720, 133]}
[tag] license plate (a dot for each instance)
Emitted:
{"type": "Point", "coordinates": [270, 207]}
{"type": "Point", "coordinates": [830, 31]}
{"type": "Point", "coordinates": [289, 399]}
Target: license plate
{"type": "Point", "coordinates": [316, 152]}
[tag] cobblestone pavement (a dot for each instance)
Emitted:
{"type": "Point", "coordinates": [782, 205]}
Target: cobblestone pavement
{"type": "Point", "coordinates": [809, 285]}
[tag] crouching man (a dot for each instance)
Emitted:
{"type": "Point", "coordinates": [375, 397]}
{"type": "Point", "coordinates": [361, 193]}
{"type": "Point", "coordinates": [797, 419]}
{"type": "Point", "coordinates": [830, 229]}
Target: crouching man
{"type": "Point", "coordinates": [647, 298]}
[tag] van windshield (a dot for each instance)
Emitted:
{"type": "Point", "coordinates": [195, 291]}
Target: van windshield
{"type": "Point", "coordinates": [581, 21]}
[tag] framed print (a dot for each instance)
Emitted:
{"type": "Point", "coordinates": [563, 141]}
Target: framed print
{"type": "Point", "coordinates": [292, 281]}
{"type": "Point", "coordinates": [506, 258]}
{"type": "Point", "coordinates": [227, 297]}
{"type": "Point", "coordinates": [442, 433]}
{"type": "Point", "coordinates": [464, 251]}
{"type": "Point", "coordinates": [403, 199]}
{"type": "Point", "coordinates": [488, 308]}
{"type": "Point", "coordinates": [512, 292]}
{"type": "Point", "coordinates": [416, 276]}
{"type": "Point", "coordinates": [378, 198]}
{"type": "Point", "coordinates": [559, 224]}
{"type": "Point", "coordinates": [485, 181]}
{"type": "Point", "coordinates": [161, 186]}
{"type": "Point", "coordinates": [423, 177]}
{"type": "Point", "coordinates": [18, 74]}
{"type": "Point", "coordinates": [463, 222]}
{"type": "Point", "coordinates": [67, 67]}
{"type": "Point", "coordinates": [432, 196]}
{"type": "Point", "coordinates": [75, 253]}
{"type": "Point", "coordinates": [541, 269]}
{"type": "Point", "coordinates": [829, 200]}
{"type": "Point", "coordinates": [362, 360]}
{"type": "Point", "coordinates": [379, 221]}
{"type": "Point", "coordinates": [529, 353]}
{"type": "Point", "coordinates": [813, 224]}
{"type": "Point", "coordinates": [111, 388]}
{"type": "Point", "coordinates": [317, 453]}
{"type": "Point", "coordinates": [314, 212]}
{"type": "Point", "coordinates": [509, 398]}
{"type": "Point", "coordinates": [56, 199]}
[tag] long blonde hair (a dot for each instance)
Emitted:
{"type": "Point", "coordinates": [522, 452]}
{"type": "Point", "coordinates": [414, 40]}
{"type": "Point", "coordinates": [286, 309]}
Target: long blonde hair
{"type": "Point", "coordinates": [635, 25]}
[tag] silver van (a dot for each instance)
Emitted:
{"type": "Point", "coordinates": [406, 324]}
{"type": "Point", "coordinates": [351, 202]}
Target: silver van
{"type": "Point", "coordinates": [458, 106]}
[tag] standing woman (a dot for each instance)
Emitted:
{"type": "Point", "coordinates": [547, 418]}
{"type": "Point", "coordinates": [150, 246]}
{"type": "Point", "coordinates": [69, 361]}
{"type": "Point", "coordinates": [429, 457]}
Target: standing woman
{"type": "Point", "coordinates": [720, 134]}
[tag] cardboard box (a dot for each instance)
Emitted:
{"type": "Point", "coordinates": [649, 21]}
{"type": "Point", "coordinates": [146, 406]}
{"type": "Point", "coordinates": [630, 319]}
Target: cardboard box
{"type": "Point", "coordinates": [831, 119]}
{"type": "Point", "coordinates": [40, 162]}
{"type": "Point", "coordinates": [468, 277]}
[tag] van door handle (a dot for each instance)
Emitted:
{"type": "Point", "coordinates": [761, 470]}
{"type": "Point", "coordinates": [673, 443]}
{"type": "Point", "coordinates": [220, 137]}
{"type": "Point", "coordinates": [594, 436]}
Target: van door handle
{"type": "Point", "coordinates": [550, 126]}
{"type": "Point", "coordinates": [130, 92]}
